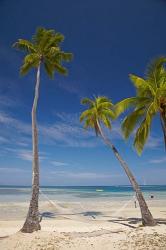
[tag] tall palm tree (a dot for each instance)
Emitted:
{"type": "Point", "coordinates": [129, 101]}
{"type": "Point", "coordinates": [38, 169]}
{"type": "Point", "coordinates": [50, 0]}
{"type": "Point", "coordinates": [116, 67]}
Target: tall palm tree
{"type": "Point", "coordinates": [149, 101]}
{"type": "Point", "coordinates": [43, 49]}
{"type": "Point", "coordinates": [100, 111]}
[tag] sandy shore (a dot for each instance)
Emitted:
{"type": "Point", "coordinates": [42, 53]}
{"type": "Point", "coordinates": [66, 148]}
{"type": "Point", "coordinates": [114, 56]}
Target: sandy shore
{"type": "Point", "coordinates": [83, 226]}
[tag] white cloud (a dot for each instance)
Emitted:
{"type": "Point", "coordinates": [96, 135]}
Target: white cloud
{"type": "Point", "coordinates": [5, 119]}
{"type": "Point", "coordinates": [68, 132]}
{"type": "Point", "coordinates": [3, 140]}
{"type": "Point", "coordinates": [22, 144]}
{"type": "Point", "coordinates": [59, 164]}
{"type": "Point", "coordinates": [85, 175]}
{"type": "Point", "coordinates": [71, 87]}
{"type": "Point", "coordinates": [153, 142]}
{"type": "Point", "coordinates": [15, 132]}
{"type": "Point", "coordinates": [13, 170]}
{"type": "Point", "coordinates": [6, 101]}
{"type": "Point", "coordinates": [158, 161]}
{"type": "Point", "coordinates": [65, 131]}
{"type": "Point", "coordinates": [25, 155]}
{"type": "Point", "coordinates": [11, 122]}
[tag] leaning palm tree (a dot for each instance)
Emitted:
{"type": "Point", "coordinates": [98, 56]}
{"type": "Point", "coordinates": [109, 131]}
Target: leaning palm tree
{"type": "Point", "coordinates": [100, 112]}
{"type": "Point", "coordinates": [43, 49]}
{"type": "Point", "coordinates": [149, 101]}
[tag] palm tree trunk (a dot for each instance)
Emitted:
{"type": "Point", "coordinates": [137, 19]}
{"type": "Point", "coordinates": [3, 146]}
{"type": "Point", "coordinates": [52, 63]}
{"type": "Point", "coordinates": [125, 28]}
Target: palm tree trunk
{"type": "Point", "coordinates": [32, 222]}
{"type": "Point", "coordinates": [147, 218]}
{"type": "Point", "coordinates": [163, 125]}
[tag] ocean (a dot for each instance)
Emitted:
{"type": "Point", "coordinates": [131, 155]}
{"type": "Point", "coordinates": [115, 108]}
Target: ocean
{"type": "Point", "coordinates": [80, 193]}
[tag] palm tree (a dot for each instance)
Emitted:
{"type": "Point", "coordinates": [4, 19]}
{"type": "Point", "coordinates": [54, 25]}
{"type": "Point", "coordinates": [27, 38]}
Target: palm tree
{"type": "Point", "coordinates": [43, 49]}
{"type": "Point", "coordinates": [100, 111]}
{"type": "Point", "coordinates": [149, 101]}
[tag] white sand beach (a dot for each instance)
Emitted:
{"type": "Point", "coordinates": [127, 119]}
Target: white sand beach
{"type": "Point", "coordinates": [86, 225]}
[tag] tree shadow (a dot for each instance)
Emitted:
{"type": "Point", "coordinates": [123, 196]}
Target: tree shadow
{"type": "Point", "coordinates": [51, 215]}
{"type": "Point", "coordinates": [161, 221]}
{"type": "Point", "coordinates": [137, 220]}
{"type": "Point", "coordinates": [4, 237]}
{"type": "Point", "coordinates": [123, 221]}
{"type": "Point", "coordinates": [48, 215]}
{"type": "Point", "coordinates": [134, 220]}
{"type": "Point", "coordinates": [130, 222]}
{"type": "Point", "coordinates": [93, 214]}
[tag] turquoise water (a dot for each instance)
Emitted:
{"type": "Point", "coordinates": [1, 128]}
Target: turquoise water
{"type": "Point", "coordinates": [80, 193]}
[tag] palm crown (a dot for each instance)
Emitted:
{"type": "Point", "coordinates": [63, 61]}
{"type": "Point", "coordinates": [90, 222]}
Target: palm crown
{"type": "Point", "coordinates": [150, 100]}
{"type": "Point", "coordinates": [44, 47]}
{"type": "Point", "coordinates": [100, 110]}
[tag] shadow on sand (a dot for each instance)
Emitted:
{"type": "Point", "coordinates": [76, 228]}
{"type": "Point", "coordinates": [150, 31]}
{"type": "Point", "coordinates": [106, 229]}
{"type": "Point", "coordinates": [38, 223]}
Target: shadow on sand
{"type": "Point", "coordinates": [129, 222]}
{"type": "Point", "coordinates": [50, 215]}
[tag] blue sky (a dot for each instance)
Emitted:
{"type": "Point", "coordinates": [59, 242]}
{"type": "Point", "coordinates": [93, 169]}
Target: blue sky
{"type": "Point", "coordinates": [109, 39]}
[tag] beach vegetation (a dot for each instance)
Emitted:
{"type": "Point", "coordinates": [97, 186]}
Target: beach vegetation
{"type": "Point", "coordinates": [43, 50]}
{"type": "Point", "coordinates": [150, 101]}
{"type": "Point", "coordinates": [98, 116]}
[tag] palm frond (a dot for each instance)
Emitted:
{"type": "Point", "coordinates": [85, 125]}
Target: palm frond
{"type": "Point", "coordinates": [103, 99]}
{"type": "Point", "coordinates": [144, 129]}
{"type": "Point", "coordinates": [30, 61]}
{"type": "Point", "coordinates": [87, 101]}
{"type": "Point", "coordinates": [88, 124]}
{"type": "Point", "coordinates": [142, 85]}
{"type": "Point", "coordinates": [154, 70]}
{"type": "Point", "coordinates": [67, 57]}
{"type": "Point", "coordinates": [100, 110]}
{"type": "Point", "coordinates": [85, 115]}
{"type": "Point", "coordinates": [41, 36]}
{"type": "Point", "coordinates": [49, 68]}
{"type": "Point", "coordinates": [104, 105]}
{"type": "Point", "coordinates": [150, 96]}
{"type": "Point", "coordinates": [123, 105]}
{"type": "Point", "coordinates": [109, 113]}
{"type": "Point", "coordinates": [54, 40]}
{"type": "Point", "coordinates": [46, 44]}
{"type": "Point", "coordinates": [25, 68]}
{"type": "Point", "coordinates": [130, 122]}
{"type": "Point", "coordinates": [24, 45]}
{"type": "Point", "coordinates": [106, 121]}
{"type": "Point", "coordinates": [60, 69]}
